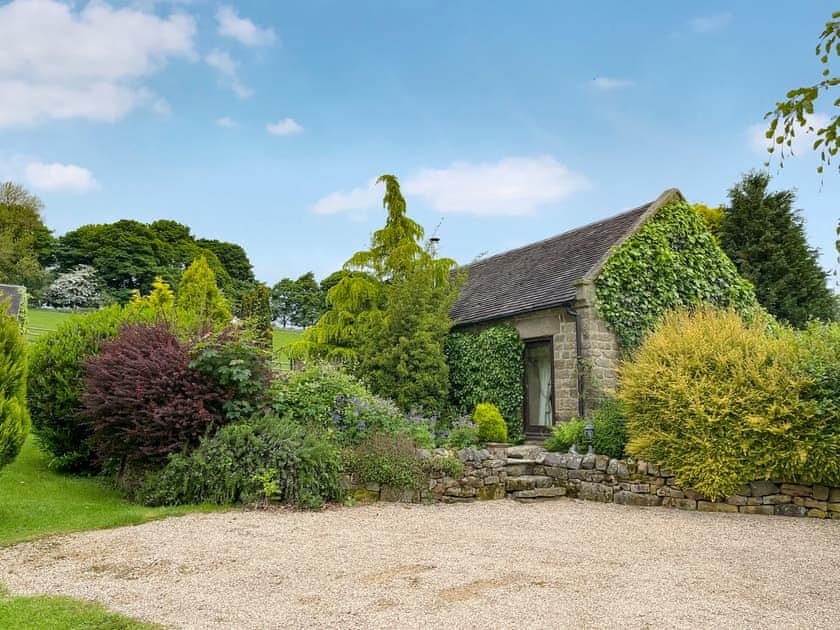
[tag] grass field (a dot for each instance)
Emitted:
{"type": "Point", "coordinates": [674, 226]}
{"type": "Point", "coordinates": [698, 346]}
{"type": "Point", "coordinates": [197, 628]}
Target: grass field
{"type": "Point", "coordinates": [40, 321]}
{"type": "Point", "coordinates": [48, 613]}
{"type": "Point", "coordinates": [35, 502]}
{"type": "Point", "coordinates": [282, 338]}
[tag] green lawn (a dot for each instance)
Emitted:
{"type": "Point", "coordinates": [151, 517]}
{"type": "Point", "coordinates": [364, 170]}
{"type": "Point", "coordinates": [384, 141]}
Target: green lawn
{"type": "Point", "coordinates": [47, 613]}
{"type": "Point", "coordinates": [35, 502]}
{"type": "Point", "coordinates": [39, 320]}
{"type": "Point", "coordinates": [282, 338]}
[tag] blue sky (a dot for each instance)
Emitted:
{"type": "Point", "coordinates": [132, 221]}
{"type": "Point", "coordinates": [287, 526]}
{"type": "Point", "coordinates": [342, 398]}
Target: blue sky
{"type": "Point", "coordinates": [265, 123]}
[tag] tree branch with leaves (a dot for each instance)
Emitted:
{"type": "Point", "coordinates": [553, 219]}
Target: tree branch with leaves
{"type": "Point", "coordinates": [794, 114]}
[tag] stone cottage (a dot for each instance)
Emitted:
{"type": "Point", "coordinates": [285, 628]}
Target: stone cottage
{"type": "Point", "coordinates": [546, 291]}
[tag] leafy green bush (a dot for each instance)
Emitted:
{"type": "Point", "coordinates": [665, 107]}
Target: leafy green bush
{"type": "Point", "coordinates": [491, 425]}
{"type": "Point", "coordinates": [487, 367]}
{"type": "Point", "coordinates": [14, 417]}
{"type": "Point", "coordinates": [241, 460]}
{"type": "Point", "coordinates": [390, 460]}
{"type": "Point", "coordinates": [237, 366]}
{"type": "Point", "coordinates": [327, 398]}
{"type": "Point", "coordinates": [565, 435]}
{"type": "Point", "coordinates": [721, 403]}
{"type": "Point", "coordinates": [818, 364]}
{"type": "Point", "coordinates": [449, 466]}
{"type": "Point", "coordinates": [422, 429]}
{"type": "Point", "coordinates": [610, 426]}
{"type": "Point", "coordinates": [309, 397]}
{"type": "Point", "coordinates": [143, 401]}
{"type": "Point", "coordinates": [255, 309]}
{"type": "Point", "coordinates": [55, 385]}
{"type": "Point", "coordinates": [464, 432]}
{"type": "Point", "coordinates": [610, 432]}
{"type": "Point", "coordinates": [673, 261]}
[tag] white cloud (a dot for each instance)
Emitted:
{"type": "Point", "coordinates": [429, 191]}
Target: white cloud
{"type": "Point", "coordinates": [709, 23]}
{"type": "Point", "coordinates": [243, 29]}
{"type": "Point", "coordinates": [58, 61]}
{"type": "Point", "coordinates": [802, 143]}
{"type": "Point", "coordinates": [510, 187]}
{"type": "Point", "coordinates": [285, 127]}
{"type": "Point", "coordinates": [606, 84]}
{"type": "Point", "coordinates": [60, 177]}
{"type": "Point", "coordinates": [228, 69]}
{"type": "Point", "coordinates": [362, 198]}
{"type": "Point", "coordinates": [226, 122]}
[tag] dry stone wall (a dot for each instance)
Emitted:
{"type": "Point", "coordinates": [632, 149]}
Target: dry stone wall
{"type": "Point", "coordinates": [531, 473]}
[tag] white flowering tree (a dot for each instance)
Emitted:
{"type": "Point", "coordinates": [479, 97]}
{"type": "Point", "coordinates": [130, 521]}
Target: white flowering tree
{"type": "Point", "coordinates": [78, 288]}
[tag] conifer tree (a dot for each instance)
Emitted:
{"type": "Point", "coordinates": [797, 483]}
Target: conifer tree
{"type": "Point", "coordinates": [387, 321]}
{"type": "Point", "coordinates": [256, 311]}
{"type": "Point", "coordinates": [200, 305]}
{"type": "Point", "coordinates": [765, 238]}
{"type": "Point", "coordinates": [159, 305]}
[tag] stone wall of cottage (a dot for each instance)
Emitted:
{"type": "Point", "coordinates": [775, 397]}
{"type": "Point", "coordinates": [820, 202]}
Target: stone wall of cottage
{"type": "Point", "coordinates": [530, 473]}
{"type": "Point", "coordinates": [560, 327]}
{"type": "Point", "coordinates": [600, 349]}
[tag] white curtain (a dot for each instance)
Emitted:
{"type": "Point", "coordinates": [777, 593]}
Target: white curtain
{"type": "Point", "coordinates": [545, 415]}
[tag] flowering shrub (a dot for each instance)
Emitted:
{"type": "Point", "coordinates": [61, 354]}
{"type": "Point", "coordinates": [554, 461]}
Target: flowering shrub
{"type": "Point", "coordinates": [464, 432]}
{"type": "Point", "coordinates": [326, 398]}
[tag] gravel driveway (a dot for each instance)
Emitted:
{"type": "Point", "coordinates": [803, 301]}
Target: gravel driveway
{"type": "Point", "coordinates": [496, 564]}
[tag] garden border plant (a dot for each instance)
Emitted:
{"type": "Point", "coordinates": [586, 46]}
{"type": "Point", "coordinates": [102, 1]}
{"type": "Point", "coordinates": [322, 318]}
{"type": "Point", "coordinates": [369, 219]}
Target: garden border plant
{"type": "Point", "coordinates": [722, 402]}
{"type": "Point", "coordinates": [487, 367]}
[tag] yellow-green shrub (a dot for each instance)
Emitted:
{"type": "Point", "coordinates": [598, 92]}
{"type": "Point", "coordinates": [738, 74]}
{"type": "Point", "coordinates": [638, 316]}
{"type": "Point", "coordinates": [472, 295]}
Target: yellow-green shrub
{"type": "Point", "coordinates": [491, 424]}
{"type": "Point", "coordinates": [721, 402]}
{"type": "Point", "coordinates": [14, 417]}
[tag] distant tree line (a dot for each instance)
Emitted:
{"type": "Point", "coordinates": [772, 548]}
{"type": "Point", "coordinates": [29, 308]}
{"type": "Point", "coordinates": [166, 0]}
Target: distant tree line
{"type": "Point", "coordinates": [103, 263]}
{"type": "Point", "coordinates": [301, 302]}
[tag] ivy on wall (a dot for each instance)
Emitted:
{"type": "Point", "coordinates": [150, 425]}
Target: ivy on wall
{"type": "Point", "coordinates": [671, 262]}
{"type": "Point", "coordinates": [487, 367]}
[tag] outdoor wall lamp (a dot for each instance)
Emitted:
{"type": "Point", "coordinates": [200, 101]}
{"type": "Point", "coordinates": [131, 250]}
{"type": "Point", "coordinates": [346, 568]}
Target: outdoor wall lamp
{"type": "Point", "coordinates": [589, 436]}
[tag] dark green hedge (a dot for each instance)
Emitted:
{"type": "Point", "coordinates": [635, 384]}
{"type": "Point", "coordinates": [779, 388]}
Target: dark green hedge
{"type": "Point", "coordinates": [671, 262]}
{"type": "Point", "coordinates": [487, 367]}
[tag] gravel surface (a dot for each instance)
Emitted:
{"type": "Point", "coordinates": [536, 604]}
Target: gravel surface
{"type": "Point", "coordinates": [494, 564]}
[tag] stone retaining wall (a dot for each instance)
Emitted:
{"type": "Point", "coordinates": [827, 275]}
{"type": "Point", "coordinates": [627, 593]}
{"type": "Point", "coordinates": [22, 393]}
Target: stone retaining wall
{"type": "Point", "coordinates": [531, 473]}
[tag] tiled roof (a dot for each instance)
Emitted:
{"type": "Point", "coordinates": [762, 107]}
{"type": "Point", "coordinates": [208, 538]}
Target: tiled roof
{"type": "Point", "coordinates": [542, 275]}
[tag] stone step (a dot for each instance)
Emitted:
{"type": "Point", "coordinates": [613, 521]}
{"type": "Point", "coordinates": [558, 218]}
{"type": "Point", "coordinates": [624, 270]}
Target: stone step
{"type": "Point", "coordinates": [539, 493]}
{"type": "Point", "coordinates": [524, 451]}
{"type": "Point", "coordinates": [528, 482]}
{"type": "Point", "coordinates": [516, 467]}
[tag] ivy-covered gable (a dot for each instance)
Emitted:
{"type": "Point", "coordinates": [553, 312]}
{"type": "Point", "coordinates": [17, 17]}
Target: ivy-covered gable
{"type": "Point", "coordinates": [672, 261]}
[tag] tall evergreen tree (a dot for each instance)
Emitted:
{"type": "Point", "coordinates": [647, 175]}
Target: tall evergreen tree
{"type": "Point", "coordinates": [200, 306]}
{"type": "Point", "coordinates": [765, 238]}
{"type": "Point", "coordinates": [388, 323]}
{"type": "Point", "coordinates": [256, 311]}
